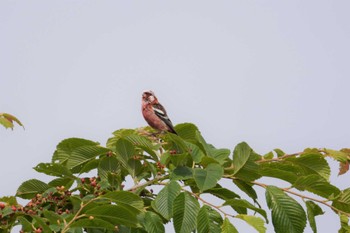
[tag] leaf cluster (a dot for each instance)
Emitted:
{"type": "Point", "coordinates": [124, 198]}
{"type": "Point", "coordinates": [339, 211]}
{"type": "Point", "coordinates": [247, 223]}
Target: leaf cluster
{"type": "Point", "coordinates": [89, 191]}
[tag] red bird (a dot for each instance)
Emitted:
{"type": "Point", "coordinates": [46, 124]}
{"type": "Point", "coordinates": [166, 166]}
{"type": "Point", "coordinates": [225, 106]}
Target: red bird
{"type": "Point", "coordinates": [155, 114]}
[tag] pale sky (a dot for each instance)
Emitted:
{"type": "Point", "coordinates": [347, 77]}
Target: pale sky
{"type": "Point", "coordinates": [275, 74]}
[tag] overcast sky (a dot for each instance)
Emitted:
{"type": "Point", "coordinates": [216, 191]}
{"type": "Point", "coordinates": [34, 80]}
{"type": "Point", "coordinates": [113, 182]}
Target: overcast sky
{"type": "Point", "coordinates": [275, 74]}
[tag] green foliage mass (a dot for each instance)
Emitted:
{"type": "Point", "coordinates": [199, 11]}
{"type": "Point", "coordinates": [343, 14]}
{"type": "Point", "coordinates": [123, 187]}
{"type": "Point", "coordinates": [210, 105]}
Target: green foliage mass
{"type": "Point", "coordinates": [88, 192]}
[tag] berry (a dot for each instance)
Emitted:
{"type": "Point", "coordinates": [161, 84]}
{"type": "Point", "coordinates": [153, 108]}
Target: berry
{"type": "Point", "coordinates": [109, 154]}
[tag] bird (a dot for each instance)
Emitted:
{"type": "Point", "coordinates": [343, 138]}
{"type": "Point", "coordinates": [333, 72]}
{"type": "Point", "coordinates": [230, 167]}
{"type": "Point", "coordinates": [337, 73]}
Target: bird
{"type": "Point", "coordinates": [155, 114]}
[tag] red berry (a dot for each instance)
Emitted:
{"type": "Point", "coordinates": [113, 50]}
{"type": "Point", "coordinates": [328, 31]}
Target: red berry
{"type": "Point", "coordinates": [2, 205]}
{"type": "Point", "coordinates": [109, 153]}
{"type": "Point", "coordinates": [13, 208]}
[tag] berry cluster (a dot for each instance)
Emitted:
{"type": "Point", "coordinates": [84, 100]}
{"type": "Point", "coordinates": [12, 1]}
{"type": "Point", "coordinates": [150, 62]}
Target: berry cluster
{"type": "Point", "coordinates": [57, 201]}
{"type": "Point", "coordinates": [7, 213]}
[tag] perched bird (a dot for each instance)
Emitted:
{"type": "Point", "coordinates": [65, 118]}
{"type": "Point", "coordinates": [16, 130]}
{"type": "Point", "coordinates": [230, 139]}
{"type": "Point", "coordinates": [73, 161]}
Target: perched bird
{"type": "Point", "coordinates": [155, 114]}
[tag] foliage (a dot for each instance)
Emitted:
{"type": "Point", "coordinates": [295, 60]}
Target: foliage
{"type": "Point", "coordinates": [7, 120]}
{"type": "Point", "coordinates": [88, 192]}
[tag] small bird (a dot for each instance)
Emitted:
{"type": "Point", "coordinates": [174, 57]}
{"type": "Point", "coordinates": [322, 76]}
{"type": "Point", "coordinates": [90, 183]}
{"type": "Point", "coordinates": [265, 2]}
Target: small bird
{"type": "Point", "coordinates": [155, 114]}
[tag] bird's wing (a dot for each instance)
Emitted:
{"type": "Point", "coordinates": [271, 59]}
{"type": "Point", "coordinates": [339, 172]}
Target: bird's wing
{"type": "Point", "coordinates": [159, 110]}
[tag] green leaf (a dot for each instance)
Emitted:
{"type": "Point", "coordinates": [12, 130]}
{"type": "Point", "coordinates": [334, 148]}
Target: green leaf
{"type": "Point", "coordinates": [127, 199]}
{"type": "Point", "coordinates": [143, 143]}
{"type": "Point", "coordinates": [201, 143]}
{"type": "Point", "coordinates": [255, 222]}
{"type": "Point", "coordinates": [313, 164]}
{"type": "Point", "coordinates": [66, 147]}
{"type": "Point", "coordinates": [76, 202]}
{"type": "Point", "coordinates": [153, 223]}
{"type": "Point", "coordinates": [187, 131]}
{"type": "Point", "coordinates": [269, 155]}
{"type": "Point", "coordinates": [281, 170]}
{"type": "Point", "coordinates": [340, 156]}
{"type": "Point", "coordinates": [84, 154]}
{"type": "Point", "coordinates": [26, 225]}
{"type": "Point", "coordinates": [186, 209]}
{"type": "Point", "coordinates": [182, 173]}
{"type": "Point", "coordinates": [108, 165]}
{"type": "Point", "coordinates": [52, 216]}
{"type": "Point", "coordinates": [316, 184]}
{"type": "Point", "coordinates": [94, 223]}
{"type": "Point", "coordinates": [203, 220]}
{"type": "Point", "coordinates": [207, 178]}
{"type": "Point", "coordinates": [344, 224]}
{"type": "Point", "coordinates": [196, 153]}
{"type": "Point", "coordinates": [227, 227]}
{"type": "Point", "coordinates": [30, 188]}
{"type": "Point", "coordinates": [287, 213]}
{"type": "Point", "coordinates": [121, 133]}
{"type": "Point", "coordinates": [10, 200]}
{"type": "Point", "coordinates": [291, 169]}
{"type": "Point", "coordinates": [279, 152]}
{"type": "Point", "coordinates": [134, 167]}
{"type": "Point", "coordinates": [91, 165]}
{"type": "Point", "coordinates": [208, 220]}
{"type": "Point", "coordinates": [177, 143]}
{"type": "Point", "coordinates": [220, 155]}
{"type": "Point", "coordinates": [125, 151]}
{"type": "Point", "coordinates": [222, 193]}
{"type": "Point", "coordinates": [163, 203]}
{"type": "Point", "coordinates": [7, 120]}
{"type": "Point", "coordinates": [183, 159]}
{"type": "Point", "coordinates": [245, 204]}
{"type": "Point", "coordinates": [312, 211]}
{"type": "Point", "coordinates": [343, 201]}
{"type": "Point", "coordinates": [114, 214]}
{"type": "Point", "coordinates": [6, 211]}
{"type": "Point", "coordinates": [6, 123]}
{"type": "Point", "coordinates": [54, 169]}
{"type": "Point", "coordinates": [66, 182]}
{"type": "Point", "coordinates": [41, 223]}
{"type": "Point", "coordinates": [251, 170]}
{"type": "Point", "coordinates": [247, 188]}
{"type": "Point", "coordinates": [241, 156]}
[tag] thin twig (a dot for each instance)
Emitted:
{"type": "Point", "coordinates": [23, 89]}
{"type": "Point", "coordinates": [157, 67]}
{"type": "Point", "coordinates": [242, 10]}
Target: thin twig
{"type": "Point", "coordinates": [157, 178]}
{"type": "Point", "coordinates": [278, 158]}
{"type": "Point", "coordinates": [322, 151]}
{"type": "Point", "coordinates": [77, 216]}
{"type": "Point", "coordinates": [209, 204]}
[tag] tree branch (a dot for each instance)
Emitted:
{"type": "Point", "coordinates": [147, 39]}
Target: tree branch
{"type": "Point", "coordinates": [323, 202]}
{"type": "Point", "coordinates": [209, 204]}
{"type": "Point", "coordinates": [157, 178]}
{"type": "Point", "coordinates": [278, 158]}
{"type": "Point", "coordinates": [77, 216]}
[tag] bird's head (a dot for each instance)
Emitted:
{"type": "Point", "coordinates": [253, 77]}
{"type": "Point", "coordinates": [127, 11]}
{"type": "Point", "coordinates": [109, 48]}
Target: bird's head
{"type": "Point", "coordinates": [148, 97]}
